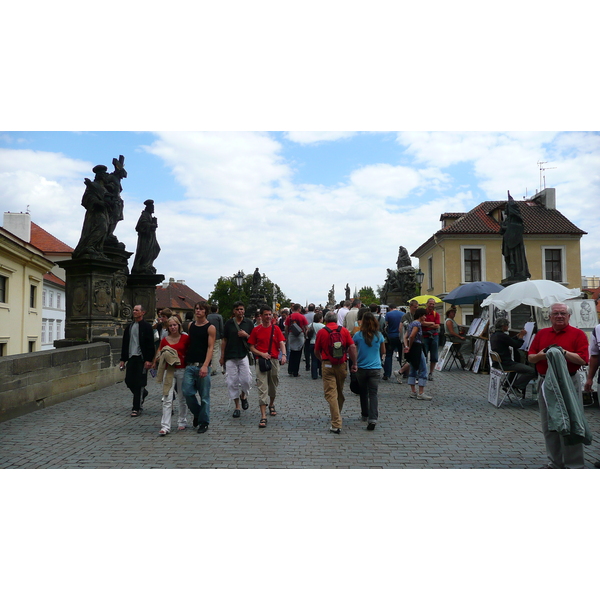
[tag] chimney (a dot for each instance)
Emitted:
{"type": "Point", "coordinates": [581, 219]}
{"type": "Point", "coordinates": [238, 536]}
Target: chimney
{"type": "Point", "coordinates": [165, 285]}
{"type": "Point", "coordinates": [547, 198]}
{"type": "Point", "coordinates": [18, 224]}
{"type": "Point", "coordinates": [181, 281]}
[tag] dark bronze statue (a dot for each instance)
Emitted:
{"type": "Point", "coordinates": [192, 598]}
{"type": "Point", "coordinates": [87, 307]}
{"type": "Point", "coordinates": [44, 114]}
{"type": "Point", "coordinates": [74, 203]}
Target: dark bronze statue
{"type": "Point", "coordinates": [347, 291]}
{"type": "Point", "coordinates": [147, 247]}
{"type": "Point", "coordinates": [513, 248]}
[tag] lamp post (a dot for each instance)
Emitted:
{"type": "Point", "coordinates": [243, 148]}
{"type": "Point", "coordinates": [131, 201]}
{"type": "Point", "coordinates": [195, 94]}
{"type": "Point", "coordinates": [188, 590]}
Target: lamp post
{"type": "Point", "coordinates": [239, 279]}
{"type": "Point", "coordinates": [419, 276]}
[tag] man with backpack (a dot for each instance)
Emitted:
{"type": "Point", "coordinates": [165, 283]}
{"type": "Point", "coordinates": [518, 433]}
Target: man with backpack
{"type": "Point", "coordinates": [332, 347]}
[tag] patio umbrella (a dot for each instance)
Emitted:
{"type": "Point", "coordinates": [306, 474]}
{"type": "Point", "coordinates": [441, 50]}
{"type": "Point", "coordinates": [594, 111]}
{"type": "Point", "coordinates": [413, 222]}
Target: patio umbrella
{"type": "Point", "coordinates": [533, 292]}
{"type": "Point", "coordinates": [423, 299]}
{"type": "Point", "coordinates": [469, 293]}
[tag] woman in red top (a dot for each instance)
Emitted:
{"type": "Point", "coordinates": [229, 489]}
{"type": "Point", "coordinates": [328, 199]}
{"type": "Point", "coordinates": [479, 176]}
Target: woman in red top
{"type": "Point", "coordinates": [179, 342]}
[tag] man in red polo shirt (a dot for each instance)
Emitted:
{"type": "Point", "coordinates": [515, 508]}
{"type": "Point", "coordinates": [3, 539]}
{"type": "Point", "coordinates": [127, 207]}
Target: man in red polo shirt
{"type": "Point", "coordinates": [334, 368]}
{"type": "Point", "coordinates": [575, 345]}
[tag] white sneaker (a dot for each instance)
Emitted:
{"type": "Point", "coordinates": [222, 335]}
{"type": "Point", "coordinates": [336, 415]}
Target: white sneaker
{"type": "Point", "coordinates": [398, 376]}
{"type": "Point", "coordinates": [424, 396]}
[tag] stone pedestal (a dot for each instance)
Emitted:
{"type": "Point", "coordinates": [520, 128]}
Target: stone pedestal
{"type": "Point", "coordinates": [141, 289]}
{"type": "Point", "coordinates": [95, 290]}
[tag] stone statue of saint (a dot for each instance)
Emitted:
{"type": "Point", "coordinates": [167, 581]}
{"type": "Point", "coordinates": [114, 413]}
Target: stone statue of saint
{"type": "Point", "coordinates": [147, 247]}
{"type": "Point", "coordinates": [331, 297]}
{"type": "Point", "coordinates": [513, 248]}
{"type": "Point", "coordinates": [347, 290]}
{"type": "Point", "coordinates": [114, 200]}
{"type": "Point", "coordinates": [96, 221]}
{"type": "Point", "coordinates": [403, 258]}
{"type": "Point", "coordinates": [256, 279]}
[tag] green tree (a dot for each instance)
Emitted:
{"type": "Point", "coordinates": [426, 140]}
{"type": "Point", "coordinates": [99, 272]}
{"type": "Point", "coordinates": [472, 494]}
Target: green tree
{"type": "Point", "coordinates": [226, 293]}
{"type": "Point", "coordinates": [367, 295]}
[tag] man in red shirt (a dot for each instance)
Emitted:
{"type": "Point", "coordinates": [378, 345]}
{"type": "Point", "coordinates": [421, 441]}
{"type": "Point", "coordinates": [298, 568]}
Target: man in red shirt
{"type": "Point", "coordinates": [267, 381]}
{"type": "Point", "coordinates": [334, 369]}
{"type": "Point", "coordinates": [431, 332]}
{"type": "Point", "coordinates": [575, 345]}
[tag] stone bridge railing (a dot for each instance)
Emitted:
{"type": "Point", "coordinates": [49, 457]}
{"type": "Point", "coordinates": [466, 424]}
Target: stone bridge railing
{"type": "Point", "coordinates": [29, 382]}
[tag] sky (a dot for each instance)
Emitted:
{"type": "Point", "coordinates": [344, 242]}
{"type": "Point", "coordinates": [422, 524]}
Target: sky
{"type": "Point", "coordinates": [309, 209]}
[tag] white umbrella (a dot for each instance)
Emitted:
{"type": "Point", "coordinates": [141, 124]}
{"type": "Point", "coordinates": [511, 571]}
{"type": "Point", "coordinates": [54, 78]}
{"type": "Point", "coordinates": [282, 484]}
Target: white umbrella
{"type": "Point", "coordinates": [533, 292]}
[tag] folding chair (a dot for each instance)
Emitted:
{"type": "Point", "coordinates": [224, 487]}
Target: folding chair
{"type": "Point", "coordinates": [505, 381]}
{"type": "Point", "coordinates": [452, 358]}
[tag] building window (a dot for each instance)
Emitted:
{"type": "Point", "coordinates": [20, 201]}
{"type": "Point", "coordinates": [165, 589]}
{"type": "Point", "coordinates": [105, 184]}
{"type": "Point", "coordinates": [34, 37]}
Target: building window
{"type": "Point", "coordinates": [44, 331]}
{"type": "Point", "coordinates": [43, 298]}
{"type": "Point", "coordinates": [553, 264]}
{"type": "Point", "coordinates": [50, 299]}
{"type": "Point", "coordinates": [3, 288]}
{"type": "Point", "coordinates": [50, 331]}
{"type": "Point", "coordinates": [473, 264]}
{"type": "Point", "coordinates": [58, 300]}
{"type": "Point", "coordinates": [430, 272]}
{"type": "Point", "coordinates": [59, 334]}
{"type": "Point", "coordinates": [32, 293]}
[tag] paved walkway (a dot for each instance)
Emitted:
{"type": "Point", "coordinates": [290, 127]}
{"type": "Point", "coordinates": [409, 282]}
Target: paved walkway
{"type": "Point", "coordinates": [459, 429]}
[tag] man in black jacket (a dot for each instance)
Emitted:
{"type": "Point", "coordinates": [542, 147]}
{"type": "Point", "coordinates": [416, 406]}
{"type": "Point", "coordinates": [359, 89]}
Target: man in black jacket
{"type": "Point", "coordinates": [501, 343]}
{"type": "Point", "coordinates": [137, 352]}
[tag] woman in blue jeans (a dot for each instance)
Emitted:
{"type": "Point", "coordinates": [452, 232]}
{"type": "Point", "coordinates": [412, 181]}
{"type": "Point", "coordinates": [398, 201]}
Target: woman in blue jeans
{"type": "Point", "coordinates": [370, 347]}
{"type": "Point", "coordinates": [415, 357]}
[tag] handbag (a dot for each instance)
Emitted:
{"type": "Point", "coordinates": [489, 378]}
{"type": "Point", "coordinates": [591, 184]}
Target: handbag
{"type": "Point", "coordinates": [264, 364]}
{"type": "Point", "coordinates": [295, 328]}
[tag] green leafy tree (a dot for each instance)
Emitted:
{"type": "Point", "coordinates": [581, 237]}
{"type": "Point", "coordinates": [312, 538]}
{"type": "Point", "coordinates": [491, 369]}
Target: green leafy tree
{"type": "Point", "coordinates": [367, 295]}
{"type": "Point", "coordinates": [226, 293]}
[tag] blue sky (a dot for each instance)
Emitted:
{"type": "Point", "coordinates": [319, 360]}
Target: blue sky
{"type": "Point", "coordinates": [309, 209]}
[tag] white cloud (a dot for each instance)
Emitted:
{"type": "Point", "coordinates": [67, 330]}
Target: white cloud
{"type": "Point", "coordinates": [316, 137]}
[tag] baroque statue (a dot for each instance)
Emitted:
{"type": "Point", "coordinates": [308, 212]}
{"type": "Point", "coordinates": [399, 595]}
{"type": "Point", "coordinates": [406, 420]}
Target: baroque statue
{"type": "Point", "coordinates": [147, 246]}
{"type": "Point", "coordinates": [400, 284]}
{"type": "Point", "coordinates": [104, 209]}
{"type": "Point", "coordinates": [513, 248]}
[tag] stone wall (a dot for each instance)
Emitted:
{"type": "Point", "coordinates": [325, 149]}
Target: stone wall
{"type": "Point", "coordinates": [29, 382]}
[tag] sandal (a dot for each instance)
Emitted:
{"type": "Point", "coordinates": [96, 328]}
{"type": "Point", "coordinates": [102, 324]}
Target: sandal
{"type": "Point", "coordinates": [244, 400]}
{"type": "Point", "coordinates": [135, 413]}
{"type": "Point", "coordinates": [163, 432]}
{"type": "Point", "coordinates": [262, 423]}
{"type": "Point", "coordinates": [272, 410]}
{"type": "Point", "coordinates": [236, 413]}
{"type": "Point", "coordinates": [181, 428]}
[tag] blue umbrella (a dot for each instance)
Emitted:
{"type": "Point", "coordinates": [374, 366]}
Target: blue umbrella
{"type": "Point", "coordinates": [469, 293]}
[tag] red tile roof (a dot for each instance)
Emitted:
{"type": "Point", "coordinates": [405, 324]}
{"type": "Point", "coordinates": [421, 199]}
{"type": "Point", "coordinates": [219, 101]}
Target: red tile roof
{"type": "Point", "coordinates": [177, 296]}
{"type": "Point", "coordinates": [537, 220]}
{"type": "Point", "coordinates": [52, 278]}
{"type": "Point", "coordinates": [46, 242]}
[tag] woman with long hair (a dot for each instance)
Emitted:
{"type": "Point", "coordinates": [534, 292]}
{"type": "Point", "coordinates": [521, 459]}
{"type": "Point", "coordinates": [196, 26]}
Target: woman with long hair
{"type": "Point", "coordinates": [416, 357]}
{"type": "Point", "coordinates": [370, 347]}
{"type": "Point", "coordinates": [171, 374]}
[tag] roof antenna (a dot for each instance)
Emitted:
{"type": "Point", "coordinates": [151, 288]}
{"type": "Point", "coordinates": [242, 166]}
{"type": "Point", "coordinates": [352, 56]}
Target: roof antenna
{"type": "Point", "coordinates": [540, 163]}
{"type": "Point", "coordinates": [27, 211]}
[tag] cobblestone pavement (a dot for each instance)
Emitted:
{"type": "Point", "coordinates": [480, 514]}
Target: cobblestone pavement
{"type": "Point", "coordinates": [459, 429]}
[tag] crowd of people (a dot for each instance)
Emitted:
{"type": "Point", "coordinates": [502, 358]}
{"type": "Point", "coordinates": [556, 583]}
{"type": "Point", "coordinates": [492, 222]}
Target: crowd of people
{"type": "Point", "coordinates": [350, 338]}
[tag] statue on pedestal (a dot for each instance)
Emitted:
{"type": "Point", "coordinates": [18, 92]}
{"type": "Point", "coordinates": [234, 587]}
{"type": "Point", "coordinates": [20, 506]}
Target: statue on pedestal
{"type": "Point", "coordinates": [513, 248]}
{"type": "Point", "coordinates": [400, 284]}
{"type": "Point", "coordinates": [331, 297]}
{"type": "Point", "coordinates": [147, 246]}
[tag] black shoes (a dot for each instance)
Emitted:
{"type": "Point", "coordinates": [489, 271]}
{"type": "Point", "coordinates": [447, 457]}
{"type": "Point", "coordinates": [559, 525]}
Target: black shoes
{"type": "Point", "coordinates": [333, 430]}
{"type": "Point", "coordinates": [202, 427]}
{"type": "Point", "coordinates": [244, 402]}
{"type": "Point", "coordinates": [236, 413]}
{"type": "Point", "coordinates": [195, 423]}
{"type": "Point", "coordinates": [371, 426]}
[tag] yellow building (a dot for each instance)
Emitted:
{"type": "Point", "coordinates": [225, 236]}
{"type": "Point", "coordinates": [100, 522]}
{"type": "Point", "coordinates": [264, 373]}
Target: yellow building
{"type": "Point", "coordinates": [22, 269]}
{"type": "Point", "coordinates": [468, 247]}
